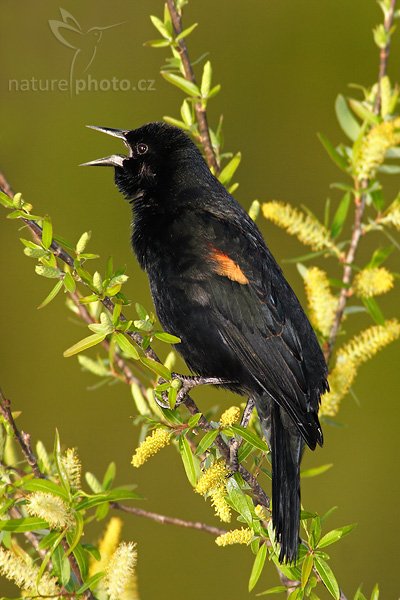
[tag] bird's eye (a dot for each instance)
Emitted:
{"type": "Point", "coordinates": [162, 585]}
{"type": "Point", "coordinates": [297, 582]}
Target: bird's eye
{"type": "Point", "coordinates": [142, 148]}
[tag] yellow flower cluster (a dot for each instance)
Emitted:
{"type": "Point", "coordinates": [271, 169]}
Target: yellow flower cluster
{"type": "Point", "coordinates": [236, 536]}
{"type": "Point", "coordinates": [213, 483]}
{"type": "Point", "coordinates": [353, 354]}
{"type": "Point", "coordinates": [374, 147]}
{"type": "Point", "coordinates": [159, 438]}
{"type": "Point", "coordinates": [373, 282]}
{"type": "Point", "coordinates": [107, 545]}
{"type": "Point", "coordinates": [72, 467]}
{"type": "Point", "coordinates": [230, 416]}
{"type": "Point", "coordinates": [25, 575]}
{"type": "Point", "coordinates": [322, 302]}
{"type": "Point", "coordinates": [51, 508]}
{"type": "Point", "coordinates": [304, 226]}
{"type": "Point", "coordinates": [392, 215]}
{"type": "Point", "coordinates": [120, 570]}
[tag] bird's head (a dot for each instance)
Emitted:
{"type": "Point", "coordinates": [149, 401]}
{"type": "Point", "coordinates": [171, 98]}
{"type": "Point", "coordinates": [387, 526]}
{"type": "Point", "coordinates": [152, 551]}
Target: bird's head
{"type": "Point", "coordinates": [157, 155]}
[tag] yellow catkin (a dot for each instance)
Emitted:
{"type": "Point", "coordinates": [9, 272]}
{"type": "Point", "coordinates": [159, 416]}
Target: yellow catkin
{"type": "Point", "coordinates": [213, 483]}
{"type": "Point", "coordinates": [72, 467]}
{"type": "Point", "coordinates": [392, 215]}
{"type": "Point", "coordinates": [120, 570]}
{"type": "Point", "coordinates": [107, 545]}
{"type": "Point", "coordinates": [358, 350]}
{"type": "Point", "coordinates": [49, 507]}
{"type": "Point", "coordinates": [150, 446]}
{"type": "Point", "coordinates": [322, 302]}
{"type": "Point", "coordinates": [304, 226]}
{"type": "Point", "coordinates": [25, 574]}
{"type": "Point", "coordinates": [373, 282]}
{"type": "Point", "coordinates": [230, 416]}
{"type": "Point", "coordinates": [260, 512]}
{"type": "Point", "coordinates": [374, 147]}
{"type": "Point", "coordinates": [236, 536]}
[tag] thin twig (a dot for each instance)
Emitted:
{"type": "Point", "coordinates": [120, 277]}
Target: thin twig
{"type": "Point", "coordinates": [359, 201]}
{"type": "Point", "coordinates": [164, 520]}
{"type": "Point", "coordinates": [200, 110]}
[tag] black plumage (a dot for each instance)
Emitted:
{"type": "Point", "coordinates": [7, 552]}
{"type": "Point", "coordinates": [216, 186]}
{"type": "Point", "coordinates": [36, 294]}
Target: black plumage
{"type": "Point", "coordinates": [216, 285]}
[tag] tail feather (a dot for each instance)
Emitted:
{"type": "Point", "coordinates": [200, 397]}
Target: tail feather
{"type": "Point", "coordinates": [286, 448]}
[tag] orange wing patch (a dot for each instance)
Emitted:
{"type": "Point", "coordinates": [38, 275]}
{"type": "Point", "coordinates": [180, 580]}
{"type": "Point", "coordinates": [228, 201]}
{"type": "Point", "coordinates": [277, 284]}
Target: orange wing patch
{"type": "Point", "coordinates": [227, 267]}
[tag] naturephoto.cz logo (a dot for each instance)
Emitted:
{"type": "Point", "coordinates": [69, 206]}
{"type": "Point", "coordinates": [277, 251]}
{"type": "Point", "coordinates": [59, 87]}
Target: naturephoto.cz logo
{"type": "Point", "coordinates": [83, 44]}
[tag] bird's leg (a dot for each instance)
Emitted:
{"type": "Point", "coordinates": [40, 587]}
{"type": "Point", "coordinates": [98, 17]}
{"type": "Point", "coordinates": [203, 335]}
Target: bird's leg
{"type": "Point", "coordinates": [189, 382]}
{"type": "Point", "coordinates": [234, 443]}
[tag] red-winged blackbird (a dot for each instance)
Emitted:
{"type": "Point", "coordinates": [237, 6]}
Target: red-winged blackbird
{"type": "Point", "coordinates": [216, 285]}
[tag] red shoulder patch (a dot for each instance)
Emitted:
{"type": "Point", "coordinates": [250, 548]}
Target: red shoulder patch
{"type": "Point", "coordinates": [227, 267]}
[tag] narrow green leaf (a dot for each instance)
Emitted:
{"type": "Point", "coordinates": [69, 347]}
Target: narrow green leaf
{"type": "Point", "coordinates": [167, 337]}
{"type": "Point", "coordinates": [45, 486]}
{"type": "Point", "coordinates": [306, 569]}
{"type": "Point", "coordinates": [69, 283]}
{"type": "Point", "coordinates": [315, 471]}
{"type": "Point", "coordinates": [258, 566]}
{"type": "Point", "coordinates": [160, 26]}
{"type": "Point", "coordinates": [337, 158]}
{"type": "Point", "coordinates": [363, 112]}
{"type": "Point", "coordinates": [88, 342]}
{"type": "Point", "coordinates": [335, 535]}
{"type": "Point", "coordinates": [229, 170]}
{"type": "Point", "coordinates": [206, 79]}
{"type": "Point", "coordinates": [346, 120]}
{"type": "Point", "coordinates": [126, 346]}
{"type": "Point", "coordinates": [327, 576]}
{"type": "Point", "coordinates": [77, 533]}
{"type": "Point", "coordinates": [49, 272]}
{"type": "Point", "coordinates": [81, 555]}
{"type": "Point", "coordinates": [52, 294]}
{"type": "Point", "coordinates": [23, 525]}
{"type": "Point", "coordinates": [250, 437]}
{"type": "Point", "coordinates": [188, 460]}
{"type": "Point", "coordinates": [279, 589]}
{"type": "Point", "coordinates": [90, 583]}
{"type": "Point", "coordinates": [109, 475]}
{"type": "Point", "coordinates": [186, 86]}
{"type": "Point", "coordinates": [5, 200]}
{"type": "Point", "coordinates": [239, 500]}
{"type": "Point", "coordinates": [156, 367]}
{"type": "Point", "coordinates": [61, 565]}
{"type": "Point", "coordinates": [186, 32]}
{"type": "Point", "coordinates": [47, 232]}
{"type": "Point", "coordinates": [157, 43]}
{"type": "Point", "coordinates": [113, 496]}
{"type": "Point", "coordinates": [206, 441]}
{"type": "Point", "coordinates": [374, 310]}
{"type": "Point", "coordinates": [340, 215]}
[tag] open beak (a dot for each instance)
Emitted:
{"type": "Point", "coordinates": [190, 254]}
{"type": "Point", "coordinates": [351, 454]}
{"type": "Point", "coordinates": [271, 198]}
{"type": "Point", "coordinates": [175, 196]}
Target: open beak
{"type": "Point", "coordinates": [115, 160]}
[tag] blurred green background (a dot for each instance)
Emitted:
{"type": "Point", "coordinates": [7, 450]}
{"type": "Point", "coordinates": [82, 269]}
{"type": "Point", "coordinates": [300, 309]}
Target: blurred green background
{"type": "Point", "coordinates": [281, 65]}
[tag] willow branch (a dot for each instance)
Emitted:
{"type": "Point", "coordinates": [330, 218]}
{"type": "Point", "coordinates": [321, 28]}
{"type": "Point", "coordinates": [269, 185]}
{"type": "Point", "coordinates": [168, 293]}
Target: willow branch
{"type": "Point", "coordinates": [200, 110]}
{"type": "Point", "coordinates": [359, 201]}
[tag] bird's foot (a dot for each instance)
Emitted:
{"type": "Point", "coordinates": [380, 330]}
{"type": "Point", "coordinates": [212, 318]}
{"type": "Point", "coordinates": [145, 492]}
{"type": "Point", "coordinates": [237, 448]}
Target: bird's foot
{"type": "Point", "coordinates": [189, 382]}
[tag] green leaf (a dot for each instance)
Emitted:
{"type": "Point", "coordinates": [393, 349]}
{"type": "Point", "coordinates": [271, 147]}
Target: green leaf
{"type": "Point", "coordinates": [257, 566]}
{"type": "Point", "coordinates": [69, 283]}
{"type": "Point", "coordinates": [61, 565]}
{"type": "Point", "coordinates": [167, 337]}
{"type": "Point", "coordinates": [47, 232]}
{"type": "Point", "coordinates": [109, 475]}
{"type": "Point", "coordinates": [77, 534]}
{"type": "Point", "coordinates": [126, 346]}
{"type": "Point", "coordinates": [52, 294]}
{"type": "Point", "coordinates": [189, 460]}
{"type": "Point", "coordinates": [229, 170]}
{"type": "Point", "coordinates": [278, 589]}
{"type": "Point", "coordinates": [87, 342]}
{"type": "Point", "coordinates": [157, 43]}
{"type": "Point", "coordinates": [374, 310]}
{"type": "Point", "coordinates": [23, 525]}
{"type": "Point", "coordinates": [315, 471]}
{"type": "Point", "coordinates": [206, 441]}
{"type": "Point", "coordinates": [186, 86]}
{"type": "Point", "coordinates": [156, 367]}
{"type": "Point", "coordinates": [346, 120]}
{"type": "Point", "coordinates": [45, 486]}
{"type": "Point", "coordinates": [327, 576]}
{"type": "Point", "coordinates": [49, 272]}
{"type": "Point", "coordinates": [160, 26]}
{"type": "Point", "coordinates": [81, 555]}
{"type": "Point", "coordinates": [250, 437]}
{"type": "Point", "coordinates": [90, 583]}
{"type": "Point", "coordinates": [306, 569]}
{"type": "Point", "coordinates": [335, 535]}
{"type": "Point", "coordinates": [363, 112]}
{"type": "Point", "coordinates": [113, 496]}
{"type": "Point", "coordinates": [5, 200]}
{"type": "Point", "coordinates": [239, 500]}
{"type": "Point", "coordinates": [389, 169]}
{"type": "Point", "coordinates": [206, 79]}
{"type": "Point", "coordinates": [186, 32]}
{"type": "Point", "coordinates": [337, 158]}
{"type": "Point", "coordinates": [340, 215]}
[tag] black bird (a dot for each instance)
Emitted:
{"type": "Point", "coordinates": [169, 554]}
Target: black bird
{"type": "Point", "coordinates": [216, 285]}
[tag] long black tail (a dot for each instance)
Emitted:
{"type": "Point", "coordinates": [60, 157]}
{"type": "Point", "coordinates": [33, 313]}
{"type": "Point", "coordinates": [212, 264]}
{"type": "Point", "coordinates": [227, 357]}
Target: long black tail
{"type": "Point", "coordinates": [286, 448]}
